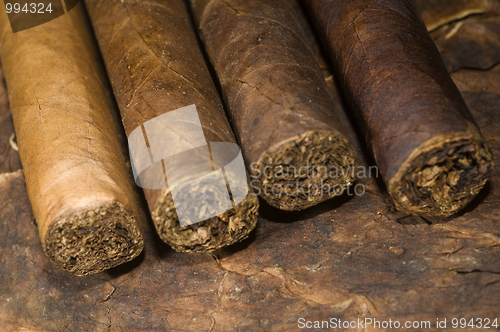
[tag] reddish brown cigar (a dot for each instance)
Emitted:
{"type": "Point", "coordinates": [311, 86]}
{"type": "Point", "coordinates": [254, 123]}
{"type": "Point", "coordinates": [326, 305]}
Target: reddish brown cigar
{"type": "Point", "coordinates": [424, 139]}
{"type": "Point", "coordinates": [292, 132]}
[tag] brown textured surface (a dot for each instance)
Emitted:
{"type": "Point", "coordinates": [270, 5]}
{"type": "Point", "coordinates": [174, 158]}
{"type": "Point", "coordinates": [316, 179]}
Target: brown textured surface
{"type": "Point", "coordinates": [155, 66]}
{"type": "Point", "coordinates": [278, 102]}
{"type": "Point", "coordinates": [68, 145]}
{"type": "Point", "coordinates": [473, 43]}
{"type": "Point", "coordinates": [423, 138]}
{"type": "Point", "coordinates": [436, 13]}
{"type": "Point", "coordinates": [345, 259]}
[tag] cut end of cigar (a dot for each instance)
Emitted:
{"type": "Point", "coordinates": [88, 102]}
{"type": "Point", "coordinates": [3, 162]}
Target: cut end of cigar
{"type": "Point", "coordinates": [306, 170]}
{"type": "Point", "coordinates": [443, 175]}
{"type": "Point", "coordinates": [93, 240]}
{"type": "Point", "coordinates": [226, 228]}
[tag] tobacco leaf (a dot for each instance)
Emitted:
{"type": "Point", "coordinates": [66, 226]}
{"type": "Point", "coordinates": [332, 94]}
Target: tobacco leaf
{"type": "Point", "coordinates": [471, 80]}
{"type": "Point", "coordinates": [471, 43]}
{"type": "Point", "coordinates": [436, 13]}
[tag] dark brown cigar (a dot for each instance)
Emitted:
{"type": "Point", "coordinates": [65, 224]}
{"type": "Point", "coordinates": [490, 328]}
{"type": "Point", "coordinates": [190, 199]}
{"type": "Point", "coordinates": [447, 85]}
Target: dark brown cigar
{"type": "Point", "coordinates": [292, 132]}
{"type": "Point", "coordinates": [428, 147]}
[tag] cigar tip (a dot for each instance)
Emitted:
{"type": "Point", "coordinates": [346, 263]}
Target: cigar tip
{"type": "Point", "coordinates": [306, 170]}
{"type": "Point", "coordinates": [93, 240]}
{"type": "Point", "coordinates": [229, 227]}
{"type": "Point", "coordinates": [443, 175]}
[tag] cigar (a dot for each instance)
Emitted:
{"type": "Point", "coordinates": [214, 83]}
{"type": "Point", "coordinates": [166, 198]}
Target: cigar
{"type": "Point", "coordinates": [425, 141]}
{"type": "Point", "coordinates": [172, 113]}
{"type": "Point", "coordinates": [76, 175]}
{"type": "Point", "coordinates": [292, 132]}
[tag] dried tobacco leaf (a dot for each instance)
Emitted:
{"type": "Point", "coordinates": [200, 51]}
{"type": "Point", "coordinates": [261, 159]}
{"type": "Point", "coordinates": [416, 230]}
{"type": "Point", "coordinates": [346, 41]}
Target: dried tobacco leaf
{"type": "Point", "coordinates": [473, 43]}
{"type": "Point", "coordinates": [436, 13]}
